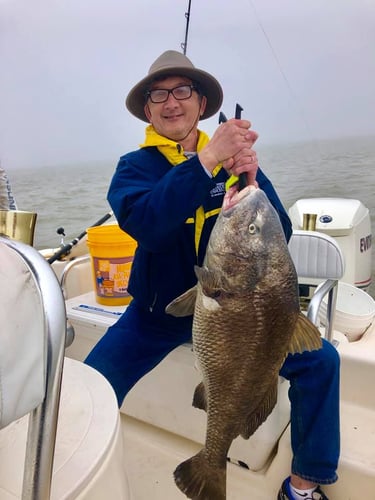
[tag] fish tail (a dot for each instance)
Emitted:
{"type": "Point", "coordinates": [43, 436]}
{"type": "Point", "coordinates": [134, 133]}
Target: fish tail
{"type": "Point", "coordinates": [198, 480]}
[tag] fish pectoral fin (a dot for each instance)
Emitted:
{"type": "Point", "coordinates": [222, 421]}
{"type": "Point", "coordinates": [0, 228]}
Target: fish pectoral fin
{"type": "Point", "coordinates": [306, 336]}
{"type": "Point", "coordinates": [209, 281]}
{"type": "Point", "coordinates": [257, 417]}
{"type": "Point", "coordinates": [199, 398]}
{"type": "Point", "coordinates": [184, 304]}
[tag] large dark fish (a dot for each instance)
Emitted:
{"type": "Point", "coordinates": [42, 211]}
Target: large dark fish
{"type": "Point", "coordinates": [246, 320]}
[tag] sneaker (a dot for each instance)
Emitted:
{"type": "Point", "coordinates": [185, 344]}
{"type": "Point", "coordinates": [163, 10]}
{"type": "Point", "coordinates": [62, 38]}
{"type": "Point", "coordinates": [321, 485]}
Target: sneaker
{"type": "Point", "coordinates": [285, 493]}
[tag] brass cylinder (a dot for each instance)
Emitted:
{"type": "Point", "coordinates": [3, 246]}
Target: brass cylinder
{"type": "Point", "coordinates": [309, 222]}
{"type": "Point", "coordinates": [18, 225]}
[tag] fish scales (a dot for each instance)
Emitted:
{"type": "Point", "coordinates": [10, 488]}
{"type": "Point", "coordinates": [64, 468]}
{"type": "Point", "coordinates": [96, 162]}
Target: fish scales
{"type": "Point", "coordinates": [246, 320]}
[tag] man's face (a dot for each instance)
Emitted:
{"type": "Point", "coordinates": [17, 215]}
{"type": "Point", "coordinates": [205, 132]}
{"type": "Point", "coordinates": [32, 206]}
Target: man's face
{"type": "Point", "coordinates": [175, 119]}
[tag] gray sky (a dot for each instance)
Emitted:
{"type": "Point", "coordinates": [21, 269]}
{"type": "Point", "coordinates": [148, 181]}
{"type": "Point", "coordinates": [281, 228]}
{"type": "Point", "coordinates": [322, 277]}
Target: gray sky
{"type": "Point", "coordinates": [301, 69]}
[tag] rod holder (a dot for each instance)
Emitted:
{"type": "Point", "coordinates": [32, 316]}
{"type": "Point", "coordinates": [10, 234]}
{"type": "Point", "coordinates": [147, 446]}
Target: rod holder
{"type": "Point", "coordinates": [18, 225]}
{"type": "Point", "coordinates": [309, 222]}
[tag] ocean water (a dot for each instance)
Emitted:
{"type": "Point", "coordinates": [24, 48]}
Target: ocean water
{"type": "Point", "coordinates": [74, 196]}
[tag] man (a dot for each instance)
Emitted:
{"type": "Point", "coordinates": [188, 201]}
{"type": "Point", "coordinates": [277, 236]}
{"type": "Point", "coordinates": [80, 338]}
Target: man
{"type": "Point", "coordinates": [167, 196]}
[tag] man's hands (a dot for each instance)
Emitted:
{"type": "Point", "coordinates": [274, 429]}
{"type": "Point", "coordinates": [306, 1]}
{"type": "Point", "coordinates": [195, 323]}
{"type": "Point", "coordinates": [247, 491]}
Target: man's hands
{"type": "Point", "coordinates": [232, 145]}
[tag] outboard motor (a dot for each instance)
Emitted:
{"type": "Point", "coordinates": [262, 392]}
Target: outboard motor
{"type": "Point", "coordinates": [346, 220]}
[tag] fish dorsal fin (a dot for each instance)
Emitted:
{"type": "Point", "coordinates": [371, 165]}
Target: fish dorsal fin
{"type": "Point", "coordinates": [184, 304]}
{"type": "Point", "coordinates": [306, 336]}
{"type": "Point", "coordinates": [255, 419]}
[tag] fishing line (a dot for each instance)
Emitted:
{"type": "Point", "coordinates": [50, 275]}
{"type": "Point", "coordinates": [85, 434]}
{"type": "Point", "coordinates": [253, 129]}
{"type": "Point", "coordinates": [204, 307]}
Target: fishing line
{"type": "Point", "coordinates": [282, 72]}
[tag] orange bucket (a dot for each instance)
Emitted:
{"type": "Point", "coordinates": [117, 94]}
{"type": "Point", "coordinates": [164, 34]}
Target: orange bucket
{"type": "Point", "coordinates": [112, 251]}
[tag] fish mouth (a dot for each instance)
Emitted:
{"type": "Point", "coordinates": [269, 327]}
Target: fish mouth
{"type": "Point", "coordinates": [233, 196]}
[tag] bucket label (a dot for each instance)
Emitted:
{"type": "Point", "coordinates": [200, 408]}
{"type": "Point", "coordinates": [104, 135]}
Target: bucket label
{"type": "Point", "coordinates": [112, 276]}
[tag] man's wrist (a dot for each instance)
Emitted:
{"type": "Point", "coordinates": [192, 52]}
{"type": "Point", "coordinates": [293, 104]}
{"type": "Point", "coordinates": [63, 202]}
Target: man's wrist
{"type": "Point", "coordinates": [208, 161]}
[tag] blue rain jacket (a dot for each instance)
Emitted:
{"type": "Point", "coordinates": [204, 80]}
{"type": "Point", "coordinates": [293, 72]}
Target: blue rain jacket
{"type": "Point", "coordinates": [170, 211]}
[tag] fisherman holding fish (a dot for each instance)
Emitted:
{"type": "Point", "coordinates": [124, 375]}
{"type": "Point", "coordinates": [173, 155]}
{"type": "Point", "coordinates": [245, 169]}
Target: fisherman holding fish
{"type": "Point", "coordinates": [167, 195]}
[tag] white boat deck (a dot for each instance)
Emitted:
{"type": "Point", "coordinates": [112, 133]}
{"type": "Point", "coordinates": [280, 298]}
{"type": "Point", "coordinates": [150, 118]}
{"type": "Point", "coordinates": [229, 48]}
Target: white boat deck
{"type": "Point", "coordinates": [157, 418]}
{"type": "Point", "coordinates": [152, 454]}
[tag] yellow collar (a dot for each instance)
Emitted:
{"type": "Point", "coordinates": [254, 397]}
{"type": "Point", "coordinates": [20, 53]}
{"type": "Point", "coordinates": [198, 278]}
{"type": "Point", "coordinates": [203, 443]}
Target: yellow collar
{"type": "Point", "coordinates": [173, 151]}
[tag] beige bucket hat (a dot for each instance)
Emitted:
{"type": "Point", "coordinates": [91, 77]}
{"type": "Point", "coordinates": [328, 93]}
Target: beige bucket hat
{"type": "Point", "coordinates": [172, 63]}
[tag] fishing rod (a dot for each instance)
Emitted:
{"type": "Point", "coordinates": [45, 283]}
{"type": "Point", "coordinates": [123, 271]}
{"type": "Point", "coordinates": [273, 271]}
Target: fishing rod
{"type": "Point", "coordinates": [242, 178]}
{"type": "Point", "coordinates": [187, 16]}
{"type": "Point", "coordinates": [65, 250]}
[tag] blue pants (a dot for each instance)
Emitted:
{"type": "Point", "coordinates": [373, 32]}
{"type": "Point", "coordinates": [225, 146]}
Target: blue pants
{"type": "Point", "coordinates": [137, 343]}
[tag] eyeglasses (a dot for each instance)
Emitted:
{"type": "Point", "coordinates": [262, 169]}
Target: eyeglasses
{"type": "Point", "coordinates": [180, 93]}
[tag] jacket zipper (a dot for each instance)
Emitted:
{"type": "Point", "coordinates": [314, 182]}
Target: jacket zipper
{"type": "Point", "coordinates": [152, 305]}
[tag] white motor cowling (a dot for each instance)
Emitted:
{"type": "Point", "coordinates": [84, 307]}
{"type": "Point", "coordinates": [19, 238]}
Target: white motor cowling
{"type": "Point", "coordinates": [348, 221]}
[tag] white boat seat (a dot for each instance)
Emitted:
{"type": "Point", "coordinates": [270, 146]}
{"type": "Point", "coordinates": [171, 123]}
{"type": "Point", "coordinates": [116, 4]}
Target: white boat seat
{"type": "Point", "coordinates": [317, 256]}
{"type": "Point", "coordinates": [22, 383]}
{"type": "Point", "coordinates": [47, 452]}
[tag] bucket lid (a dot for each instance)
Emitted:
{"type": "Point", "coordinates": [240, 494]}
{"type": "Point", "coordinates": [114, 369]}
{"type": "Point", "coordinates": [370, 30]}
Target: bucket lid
{"type": "Point", "coordinates": [109, 234]}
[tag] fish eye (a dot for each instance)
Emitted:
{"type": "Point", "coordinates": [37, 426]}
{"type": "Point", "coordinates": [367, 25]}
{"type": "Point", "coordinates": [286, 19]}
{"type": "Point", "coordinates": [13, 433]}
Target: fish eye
{"type": "Point", "coordinates": [253, 228]}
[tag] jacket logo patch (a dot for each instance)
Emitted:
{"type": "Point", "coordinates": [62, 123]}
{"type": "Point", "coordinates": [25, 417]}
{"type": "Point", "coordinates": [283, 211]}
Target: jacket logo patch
{"type": "Point", "coordinates": [218, 190]}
